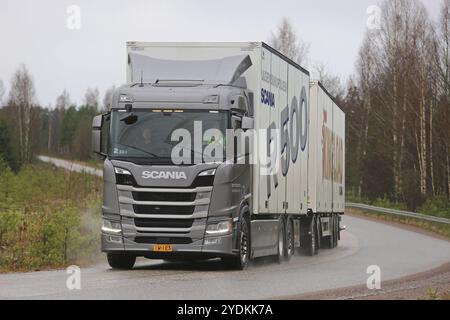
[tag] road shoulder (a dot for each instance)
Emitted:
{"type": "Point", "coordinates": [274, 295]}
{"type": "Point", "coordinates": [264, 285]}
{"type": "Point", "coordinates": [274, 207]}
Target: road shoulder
{"type": "Point", "coordinates": [428, 285]}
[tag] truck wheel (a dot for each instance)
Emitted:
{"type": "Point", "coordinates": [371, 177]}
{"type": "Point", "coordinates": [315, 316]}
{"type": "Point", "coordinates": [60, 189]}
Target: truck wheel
{"type": "Point", "coordinates": [339, 227]}
{"type": "Point", "coordinates": [290, 245]}
{"type": "Point", "coordinates": [312, 241]}
{"type": "Point", "coordinates": [281, 247]}
{"type": "Point", "coordinates": [329, 240]}
{"type": "Point", "coordinates": [122, 261]}
{"type": "Point", "coordinates": [318, 234]}
{"type": "Point", "coordinates": [336, 230]}
{"type": "Point", "coordinates": [240, 261]}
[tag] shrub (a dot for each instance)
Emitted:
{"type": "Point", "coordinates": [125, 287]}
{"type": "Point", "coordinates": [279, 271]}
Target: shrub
{"type": "Point", "coordinates": [437, 206]}
{"type": "Point", "coordinates": [48, 217]}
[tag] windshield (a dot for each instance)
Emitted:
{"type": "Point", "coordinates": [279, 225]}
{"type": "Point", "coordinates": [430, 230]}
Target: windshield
{"type": "Point", "coordinates": [176, 136]}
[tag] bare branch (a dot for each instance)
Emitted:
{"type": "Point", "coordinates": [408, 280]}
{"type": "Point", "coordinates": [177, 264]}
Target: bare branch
{"type": "Point", "coordinates": [285, 40]}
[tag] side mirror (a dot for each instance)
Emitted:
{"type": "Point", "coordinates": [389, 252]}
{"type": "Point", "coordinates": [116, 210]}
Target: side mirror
{"type": "Point", "coordinates": [97, 124]}
{"type": "Point", "coordinates": [247, 123]}
{"type": "Point", "coordinates": [251, 98]}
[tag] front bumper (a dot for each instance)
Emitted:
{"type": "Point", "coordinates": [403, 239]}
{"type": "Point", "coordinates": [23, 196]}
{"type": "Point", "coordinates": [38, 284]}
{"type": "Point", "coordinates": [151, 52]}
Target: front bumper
{"type": "Point", "coordinates": [207, 247]}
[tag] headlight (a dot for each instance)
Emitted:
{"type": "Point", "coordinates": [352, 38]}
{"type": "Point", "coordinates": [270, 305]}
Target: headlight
{"type": "Point", "coordinates": [122, 171]}
{"type": "Point", "coordinates": [206, 173]}
{"type": "Point", "coordinates": [124, 177]}
{"type": "Point", "coordinates": [111, 227]}
{"type": "Point", "coordinates": [219, 228]}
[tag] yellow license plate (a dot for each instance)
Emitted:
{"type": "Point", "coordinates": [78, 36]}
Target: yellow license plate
{"type": "Point", "coordinates": [162, 248]}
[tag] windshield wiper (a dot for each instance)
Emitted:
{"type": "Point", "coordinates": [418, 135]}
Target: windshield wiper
{"type": "Point", "coordinates": [141, 150]}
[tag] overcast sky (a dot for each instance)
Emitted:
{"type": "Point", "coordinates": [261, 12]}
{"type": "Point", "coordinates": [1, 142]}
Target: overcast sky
{"type": "Point", "coordinates": [35, 33]}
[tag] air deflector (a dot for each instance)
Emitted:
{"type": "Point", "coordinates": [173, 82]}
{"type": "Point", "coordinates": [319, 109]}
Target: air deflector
{"type": "Point", "coordinates": [219, 71]}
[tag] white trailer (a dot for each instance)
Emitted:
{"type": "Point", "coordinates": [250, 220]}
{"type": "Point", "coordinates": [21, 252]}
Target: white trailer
{"type": "Point", "coordinates": [326, 185]}
{"type": "Point", "coordinates": [326, 165]}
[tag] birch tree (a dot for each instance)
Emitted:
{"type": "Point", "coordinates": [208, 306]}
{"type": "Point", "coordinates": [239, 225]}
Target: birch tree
{"type": "Point", "coordinates": [443, 67]}
{"type": "Point", "coordinates": [365, 71]}
{"type": "Point", "coordinates": [286, 40]}
{"type": "Point", "coordinates": [56, 117]}
{"type": "Point", "coordinates": [2, 91]}
{"type": "Point", "coordinates": [404, 115]}
{"type": "Point", "coordinates": [63, 101]}
{"type": "Point", "coordinates": [22, 97]}
{"type": "Point", "coordinates": [107, 99]}
{"type": "Point", "coordinates": [91, 97]}
{"type": "Point", "coordinates": [331, 82]}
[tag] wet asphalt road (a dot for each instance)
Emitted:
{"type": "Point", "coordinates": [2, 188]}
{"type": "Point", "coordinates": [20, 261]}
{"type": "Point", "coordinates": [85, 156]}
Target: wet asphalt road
{"type": "Point", "coordinates": [397, 252]}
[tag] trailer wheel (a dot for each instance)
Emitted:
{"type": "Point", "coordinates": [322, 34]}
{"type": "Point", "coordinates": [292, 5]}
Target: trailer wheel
{"type": "Point", "coordinates": [290, 244]}
{"type": "Point", "coordinates": [318, 234]}
{"type": "Point", "coordinates": [240, 261]}
{"type": "Point", "coordinates": [281, 244]}
{"type": "Point", "coordinates": [312, 241]}
{"type": "Point", "coordinates": [339, 227]}
{"type": "Point", "coordinates": [330, 240]}
{"type": "Point", "coordinates": [121, 261]}
{"type": "Point", "coordinates": [336, 231]}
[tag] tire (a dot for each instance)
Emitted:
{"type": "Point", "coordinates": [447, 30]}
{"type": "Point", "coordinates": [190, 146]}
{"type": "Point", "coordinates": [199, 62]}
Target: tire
{"type": "Point", "coordinates": [318, 234]}
{"type": "Point", "coordinates": [290, 244]}
{"type": "Point", "coordinates": [281, 245]}
{"type": "Point", "coordinates": [330, 240]}
{"type": "Point", "coordinates": [240, 261]}
{"type": "Point", "coordinates": [121, 261]}
{"type": "Point", "coordinates": [336, 231]}
{"type": "Point", "coordinates": [312, 248]}
{"type": "Point", "coordinates": [339, 227]}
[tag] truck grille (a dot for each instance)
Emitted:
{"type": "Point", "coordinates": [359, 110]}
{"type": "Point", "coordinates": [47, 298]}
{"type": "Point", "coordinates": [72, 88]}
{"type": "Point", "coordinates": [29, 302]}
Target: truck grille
{"type": "Point", "coordinates": [170, 210]}
{"type": "Point", "coordinates": [164, 196]}
{"type": "Point", "coordinates": [163, 240]}
{"type": "Point", "coordinates": [163, 223]}
{"type": "Point", "coordinates": [166, 212]}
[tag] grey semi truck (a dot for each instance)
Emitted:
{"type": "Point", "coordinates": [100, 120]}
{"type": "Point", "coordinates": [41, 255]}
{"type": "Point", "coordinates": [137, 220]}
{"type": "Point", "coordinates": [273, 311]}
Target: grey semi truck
{"type": "Point", "coordinates": [219, 150]}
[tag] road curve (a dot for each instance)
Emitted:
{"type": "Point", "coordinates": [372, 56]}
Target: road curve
{"type": "Point", "coordinates": [71, 166]}
{"type": "Point", "coordinates": [396, 251]}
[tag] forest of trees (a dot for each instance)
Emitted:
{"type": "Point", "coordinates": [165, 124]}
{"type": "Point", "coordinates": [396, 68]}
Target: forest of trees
{"type": "Point", "coordinates": [64, 130]}
{"type": "Point", "coordinates": [397, 105]}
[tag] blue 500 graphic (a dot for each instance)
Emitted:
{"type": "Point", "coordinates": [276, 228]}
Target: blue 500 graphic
{"type": "Point", "coordinates": [292, 138]}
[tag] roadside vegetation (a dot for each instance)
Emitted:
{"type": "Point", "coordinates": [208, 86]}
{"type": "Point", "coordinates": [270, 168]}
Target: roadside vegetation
{"type": "Point", "coordinates": [49, 217]}
{"type": "Point", "coordinates": [440, 229]}
{"type": "Point", "coordinates": [437, 206]}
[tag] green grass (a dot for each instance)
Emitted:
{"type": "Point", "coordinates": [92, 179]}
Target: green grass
{"type": "Point", "coordinates": [48, 218]}
{"type": "Point", "coordinates": [438, 206]}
